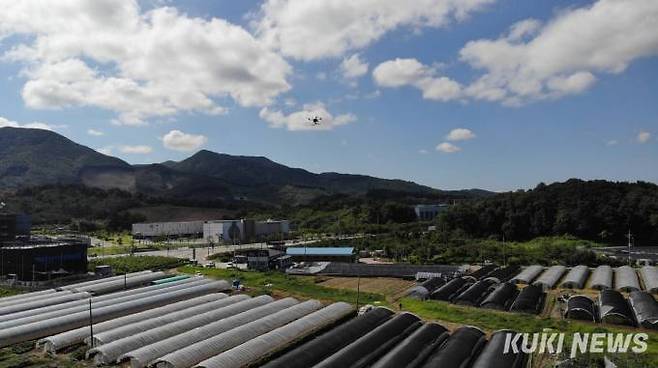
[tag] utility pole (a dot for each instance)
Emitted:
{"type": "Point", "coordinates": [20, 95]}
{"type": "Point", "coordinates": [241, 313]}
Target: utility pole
{"type": "Point", "coordinates": [504, 252]}
{"type": "Point", "coordinates": [358, 291]}
{"type": "Point", "coordinates": [629, 236]}
{"type": "Point", "coordinates": [125, 281]}
{"type": "Point", "coordinates": [91, 324]}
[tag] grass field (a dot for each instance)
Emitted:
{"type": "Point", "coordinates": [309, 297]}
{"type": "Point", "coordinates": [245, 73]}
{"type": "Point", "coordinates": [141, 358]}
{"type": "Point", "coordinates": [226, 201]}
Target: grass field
{"type": "Point", "coordinates": [7, 291]}
{"type": "Point", "coordinates": [281, 285]}
{"type": "Point", "coordinates": [136, 263]}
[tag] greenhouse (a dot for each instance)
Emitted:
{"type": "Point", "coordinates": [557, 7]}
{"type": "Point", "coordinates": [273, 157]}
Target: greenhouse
{"type": "Point", "coordinates": [501, 297]}
{"type": "Point", "coordinates": [614, 309]}
{"type": "Point", "coordinates": [581, 308]}
{"type": "Point", "coordinates": [626, 279]}
{"type": "Point", "coordinates": [475, 293]}
{"type": "Point", "coordinates": [459, 350]}
{"type": "Point", "coordinates": [412, 351]}
{"type": "Point", "coordinates": [550, 277]}
{"type": "Point", "coordinates": [645, 308]}
{"type": "Point", "coordinates": [528, 275]}
{"type": "Point", "coordinates": [494, 356]}
{"type": "Point", "coordinates": [601, 278]}
{"type": "Point", "coordinates": [450, 290]}
{"type": "Point", "coordinates": [529, 300]}
{"type": "Point", "coordinates": [650, 278]}
{"type": "Point", "coordinates": [325, 345]}
{"type": "Point", "coordinates": [576, 278]}
{"type": "Point", "coordinates": [376, 343]}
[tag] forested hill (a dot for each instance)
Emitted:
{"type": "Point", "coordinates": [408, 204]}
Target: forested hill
{"type": "Point", "coordinates": [597, 210]}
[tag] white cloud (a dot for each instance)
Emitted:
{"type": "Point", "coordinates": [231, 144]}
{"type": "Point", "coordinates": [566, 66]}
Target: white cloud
{"type": "Point", "coordinates": [136, 150]}
{"type": "Point", "coordinates": [299, 120]}
{"type": "Point", "coordinates": [139, 64]}
{"type": "Point", "coordinates": [460, 134]}
{"type": "Point", "coordinates": [535, 61]}
{"type": "Point", "coordinates": [410, 72]}
{"type": "Point", "coordinates": [95, 133]}
{"type": "Point", "coordinates": [6, 123]}
{"type": "Point", "coordinates": [447, 147]}
{"type": "Point", "coordinates": [107, 150]}
{"type": "Point", "coordinates": [423, 151]}
{"type": "Point", "coordinates": [612, 142]}
{"type": "Point", "coordinates": [309, 30]}
{"type": "Point", "coordinates": [643, 137]}
{"type": "Point", "coordinates": [353, 67]}
{"type": "Point", "coordinates": [179, 141]}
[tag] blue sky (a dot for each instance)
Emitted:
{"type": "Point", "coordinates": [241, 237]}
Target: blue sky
{"type": "Point", "coordinates": [485, 94]}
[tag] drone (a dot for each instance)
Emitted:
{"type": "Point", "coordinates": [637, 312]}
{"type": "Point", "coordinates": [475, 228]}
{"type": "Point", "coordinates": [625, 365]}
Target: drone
{"type": "Point", "coordinates": [315, 120]}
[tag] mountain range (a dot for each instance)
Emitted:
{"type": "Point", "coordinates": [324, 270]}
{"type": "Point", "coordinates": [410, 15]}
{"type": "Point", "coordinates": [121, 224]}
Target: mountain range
{"type": "Point", "coordinates": [34, 157]}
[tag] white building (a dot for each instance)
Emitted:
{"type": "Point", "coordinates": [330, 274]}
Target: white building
{"type": "Point", "coordinates": [229, 231]}
{"type": "Point", "coordinates": [173, 229]}
{"type": "Point", "coordinates": [236, 231]}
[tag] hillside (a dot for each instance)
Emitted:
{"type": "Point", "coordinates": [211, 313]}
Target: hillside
{"type": "Point", "coordinates": [33, 157]}
{"type": "Point", "coordinates": [263, 179]}
{"type": "Point", "coordinates": [30, 157]}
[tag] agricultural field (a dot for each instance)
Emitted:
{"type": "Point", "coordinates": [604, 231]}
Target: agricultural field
{"type": "Point", "coordinates": [391, 288]}
{"type": "Point", "coordinates": [281, 285]}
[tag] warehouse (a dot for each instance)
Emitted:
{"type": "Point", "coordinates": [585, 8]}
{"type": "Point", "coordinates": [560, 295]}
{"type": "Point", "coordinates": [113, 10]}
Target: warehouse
{"type": "Point", "coordinates": [243, 230]}
{"type": "Point", "coordinates": [39, 259]}
{"type": "Point", "coordinates": [191, 229]}
{"type": "Point", "coordinates": [321, 254]}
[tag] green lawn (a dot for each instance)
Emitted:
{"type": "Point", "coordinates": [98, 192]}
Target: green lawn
{"type": "Point", "coordinates": [284, 285]}
{"type": "Point", "coordinates": [7, 291]}
{"type": "Point", "coordinates": [137, 263]}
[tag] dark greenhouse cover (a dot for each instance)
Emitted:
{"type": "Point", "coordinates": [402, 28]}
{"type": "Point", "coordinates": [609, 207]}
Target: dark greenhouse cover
{"type": "Point", "coordinates": [324, 345]}
{"type": "Point", "coordinates": [415, 349]}
{"type": "Point", "coordinates": [459, 350]}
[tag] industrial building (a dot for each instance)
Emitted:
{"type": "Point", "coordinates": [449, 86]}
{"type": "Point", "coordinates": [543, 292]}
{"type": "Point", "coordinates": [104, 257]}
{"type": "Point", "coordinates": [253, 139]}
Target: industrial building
{"type": "Point", "coordinates": [243, 230]}
{"type": "Point", "coordinates": [14, 226]}
{"type": "Point", "coordinates": [168, 229]}
{"type": "Point", "coordinates": [27, 258]}
{"type": "Point", "coordinates": [229, 231]}
{"type": "Point", "coordinates": [321, 254]}
{"type": "Point", "coordinates": [428, 212]}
